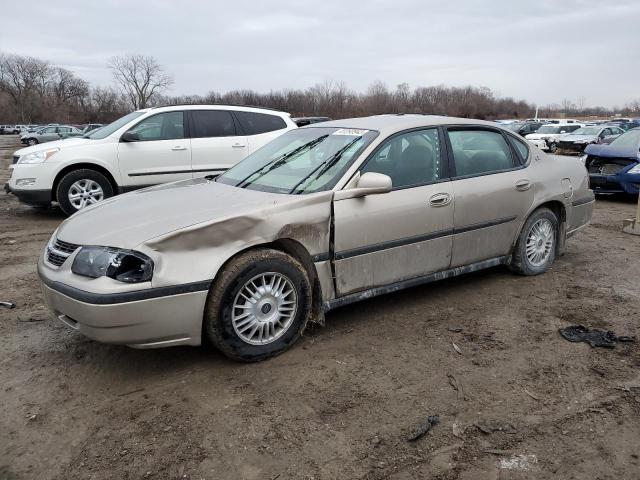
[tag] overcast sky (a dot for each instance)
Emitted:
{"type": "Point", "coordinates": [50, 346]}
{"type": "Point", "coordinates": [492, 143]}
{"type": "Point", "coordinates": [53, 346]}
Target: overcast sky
{"type": "Point", "coordinates": [543, 51]}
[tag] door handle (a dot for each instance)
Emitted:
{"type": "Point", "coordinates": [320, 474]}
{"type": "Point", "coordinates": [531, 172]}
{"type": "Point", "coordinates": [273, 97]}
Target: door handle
{"type": "Point", "coordinates": [178, 147]}
{"type": "Point", "coordinates": [523, 184]}
{"type": "Point", "coordinates": [238, 145]}
{"type": "Point", "coordinates": [440, 199]}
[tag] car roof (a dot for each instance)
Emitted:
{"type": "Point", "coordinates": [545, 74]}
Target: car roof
{"type": "Point", "coordinates": [236, 108]}
{"type": "Point", "coordinates": [390, 123]}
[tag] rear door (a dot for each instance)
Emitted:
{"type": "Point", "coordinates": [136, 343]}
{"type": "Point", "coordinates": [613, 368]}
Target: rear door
{"type": "Point", "coordinates": [406, 233]}
{"type": "Point", "coordinates": [216, 142]}
{"type": "Point", "coordinates": [492, 191]}
{"type": "Point", "coordinates": [161, 154]}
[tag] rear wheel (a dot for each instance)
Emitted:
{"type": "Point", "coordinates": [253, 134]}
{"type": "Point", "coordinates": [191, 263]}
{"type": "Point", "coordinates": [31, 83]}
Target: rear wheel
{"type": "Point", "coordinates": [81, 188]}
{"type": "Point", "coordinates": [258, 306]}
{"type": "Point", "coordinates": [535, 249]}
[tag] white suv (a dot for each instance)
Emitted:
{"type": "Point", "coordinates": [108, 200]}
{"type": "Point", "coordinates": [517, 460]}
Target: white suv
{"type": "Point", "coordinates": [145, 147]}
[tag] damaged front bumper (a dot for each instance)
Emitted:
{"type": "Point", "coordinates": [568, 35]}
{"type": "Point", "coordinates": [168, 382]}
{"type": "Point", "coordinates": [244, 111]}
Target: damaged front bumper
{"type": "Point", "coordinates": [147, 318]}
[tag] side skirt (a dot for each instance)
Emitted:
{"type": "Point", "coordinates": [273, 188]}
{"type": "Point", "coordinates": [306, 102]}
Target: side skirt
{"type": "Point", "coordinates": [412, 282]}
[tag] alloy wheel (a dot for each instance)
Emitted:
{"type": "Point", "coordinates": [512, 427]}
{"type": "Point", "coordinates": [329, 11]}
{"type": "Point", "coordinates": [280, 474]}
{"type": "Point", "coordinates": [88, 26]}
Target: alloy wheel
{"type": "Point", "coordinates": [264, 308]}
{"type": "Point", "coordinates": [85, 192]}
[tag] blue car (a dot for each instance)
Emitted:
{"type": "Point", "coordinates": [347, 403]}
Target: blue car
{"type": "Point", "coordinates": [615, 168]}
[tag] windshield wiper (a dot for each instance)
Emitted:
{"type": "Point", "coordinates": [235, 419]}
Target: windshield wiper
{"type": "Point", "coordinates": [326, 165]}
{"type": "Point", "coordinates": [278, 162]}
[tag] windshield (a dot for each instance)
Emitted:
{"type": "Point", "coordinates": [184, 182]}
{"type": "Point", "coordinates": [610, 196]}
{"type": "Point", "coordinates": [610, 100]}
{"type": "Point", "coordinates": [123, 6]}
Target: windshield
{"type": "Point", "coordinates": [631, 139]}
{"type": "Point", "coordinates": [107, 130]}
{"type": "Point", "coordinates": [549, 129]}
{"type": "Point", "coordinates": [586, 131]}
{"type": "Point", "coordinates": [303, 160]}
{"type": "Point", "coordinates": [515, 126]}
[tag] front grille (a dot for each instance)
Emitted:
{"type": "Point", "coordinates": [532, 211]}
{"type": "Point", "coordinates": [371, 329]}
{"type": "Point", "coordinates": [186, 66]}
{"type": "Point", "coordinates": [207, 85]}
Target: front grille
{"type": "Point", "coordinates": [16, 158]}
{"type": "Point", "coordinates": [606, 166]}
{"type": "Point", "coordinates": [570, 146]}
{"type": "Point", "coordinates": [58, 251]}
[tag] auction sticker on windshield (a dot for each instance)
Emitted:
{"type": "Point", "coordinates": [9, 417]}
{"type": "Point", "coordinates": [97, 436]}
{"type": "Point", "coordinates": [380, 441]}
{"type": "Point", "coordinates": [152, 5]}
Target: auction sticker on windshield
{"type": "Point", "coordinates": [351, 132]}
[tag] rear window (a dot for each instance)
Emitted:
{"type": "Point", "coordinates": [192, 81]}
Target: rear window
{"type": "Point", "coordinates": [212, 123]}
{"type": "Point", "coordinates": [255, 123]}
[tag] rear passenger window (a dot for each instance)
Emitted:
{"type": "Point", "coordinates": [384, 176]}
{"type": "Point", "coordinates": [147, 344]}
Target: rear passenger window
{"type": "Point", "coordinates": [212, 123]}
{"type": "Point", "coordinates": [521, 147]}
{"type": "Point", "coordinates": [476, 152]}
{"type": "Point", "coordinates": [254, 123]}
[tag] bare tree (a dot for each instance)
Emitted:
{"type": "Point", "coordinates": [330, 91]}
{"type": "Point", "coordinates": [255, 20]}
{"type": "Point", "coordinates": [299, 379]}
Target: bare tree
{"type": "Point", "coordinates": [141, 78]}
{"type": "Point", "coordinates": [24, 80]}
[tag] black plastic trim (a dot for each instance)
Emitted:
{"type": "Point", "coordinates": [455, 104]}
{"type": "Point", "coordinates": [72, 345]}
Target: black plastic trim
{"type": "Point", "coordinates": [354, 252]}
{"type": "Point", "coordinates": [171, 172]}
{"type": "Point", "coordinates": [320, 257]}
{"type": "Point", "coordinates": [124, 297]}
{"type": "Point", "coordinates": [476, 226]}
{"type": "Point", "coordinates": [31, 197]}
{"type": "Point", "coordinates": [413, 282]}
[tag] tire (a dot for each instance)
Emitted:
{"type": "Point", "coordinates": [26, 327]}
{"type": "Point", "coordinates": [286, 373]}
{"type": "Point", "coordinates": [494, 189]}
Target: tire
{"type": "Point", "coordinates": [525, 264]}
{"type": "Point", "coordinates": [32, 141]}
{"type": "Point", "coordinates": [218, 324]}
{"type": "Point", "coordinates": [553, 147]}
{"type": "Point", "coordinates": [70, 182]}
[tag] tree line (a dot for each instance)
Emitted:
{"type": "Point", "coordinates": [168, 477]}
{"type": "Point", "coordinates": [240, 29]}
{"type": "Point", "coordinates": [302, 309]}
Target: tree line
{"type": "Point", "coordinates": [35, 91]}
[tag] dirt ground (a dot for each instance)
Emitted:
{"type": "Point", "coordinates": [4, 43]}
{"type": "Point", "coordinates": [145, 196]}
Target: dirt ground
{"type": "Point", "coordinates": [342, 402]}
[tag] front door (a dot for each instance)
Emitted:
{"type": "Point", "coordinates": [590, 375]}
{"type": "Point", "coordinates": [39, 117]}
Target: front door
{"type": "Point", "coordinates": [382, 239]}
{"type": "Point", "coordinates": [159, 153]}
{"type": "Point", "coordinates": [492, 193]}
{"type": "Point", "coordinates": [215, 143]}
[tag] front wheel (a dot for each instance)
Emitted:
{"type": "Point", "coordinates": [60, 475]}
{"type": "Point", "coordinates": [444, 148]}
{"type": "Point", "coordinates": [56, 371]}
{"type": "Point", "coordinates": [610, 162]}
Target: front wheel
{"type": "Point", "coordinates": [553, 147]}
{"type": "Point", "coordinates": [81, 188]}
{"type": "Point", "coordinates": [535, 249]}
{"type": "Point", "coordinates": [258, 306]}
{"type": "Point", "coordinates": [32, 141]}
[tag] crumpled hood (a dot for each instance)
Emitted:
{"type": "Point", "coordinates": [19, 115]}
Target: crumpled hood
{"type": "Point", "coordinates": [128, 220]}
{"type": "Point", "coordinates": [576, 138]}
{"type": "Point", "coordinates": [67, 142]}
{"type": "Point", "coordinates": [610, 151]}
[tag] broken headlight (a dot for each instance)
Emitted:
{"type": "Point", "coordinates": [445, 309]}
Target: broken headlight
{"type": "Point", "coordinates": [123, 265]}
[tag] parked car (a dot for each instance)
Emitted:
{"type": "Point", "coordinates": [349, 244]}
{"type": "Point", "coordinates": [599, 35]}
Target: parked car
{"type": "Point", "coordinates": [545, 138]}
{"type": "Point", "coordinates": [321, 217]}
{"type": "Point", "coordinates": [86, 129]}
{"type": "Point", "coordinates": [304, 121]}
{"type": "Point", "coordinates": [523, 128]}
{"type": "Point", "coordinates": [48, 134]}
{"type": "Point", "coordinates": [615, 168]}
{"type": "Point", "coordinates": [5, 129]}
{"type": "Point", "coordinates": [143, 148]}
{"type": "Point", "coordinates": [577, 140]}
{"type": "Point", "coordinates": [624, 126]}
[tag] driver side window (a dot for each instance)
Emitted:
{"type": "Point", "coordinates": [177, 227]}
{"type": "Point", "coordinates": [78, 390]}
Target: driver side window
{"type": "Point", "coordinates": [411, 159]}
{"type": "Point", "coordinates": [164, 126]}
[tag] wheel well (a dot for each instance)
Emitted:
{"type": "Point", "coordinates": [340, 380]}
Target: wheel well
{"type": "Point", "coordinates": [557, 208]}
{"type": "Point", "coordinates": [80, 166]}
{"type": "Point", "coordinates": [560, 212]}
{"type": "Point", "coordinates": [300, 253]}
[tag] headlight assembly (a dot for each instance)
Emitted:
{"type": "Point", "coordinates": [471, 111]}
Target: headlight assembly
{"type": "Point", "coordinates": [635, 170]}
{"type": "Point", "coordinates": [123, 265]}
{"type": "Point", "coordinates": [38, 157]}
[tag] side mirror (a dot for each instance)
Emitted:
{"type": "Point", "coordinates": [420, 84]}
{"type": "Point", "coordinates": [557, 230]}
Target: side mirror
{"type": "Point", "coordinates": [369, 183]}
{"type": "Point", "coordinates": [129, 137]}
